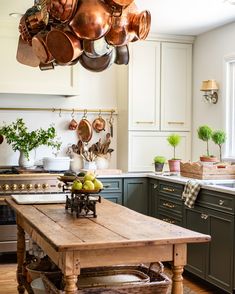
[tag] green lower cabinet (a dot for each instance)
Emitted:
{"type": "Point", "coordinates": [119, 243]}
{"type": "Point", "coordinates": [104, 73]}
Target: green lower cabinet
{"type": "Point", "coordinates": [112, 189]}
{"type": "Point", "coordinates": [135, 194]}
{"type": "Point", "coordinates": [153, 197]}
{"type": "Point", "coordinates": [212, 261]}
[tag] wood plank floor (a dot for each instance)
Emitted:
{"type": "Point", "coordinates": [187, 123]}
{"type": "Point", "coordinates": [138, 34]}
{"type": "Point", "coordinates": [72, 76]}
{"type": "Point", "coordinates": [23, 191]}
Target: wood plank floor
{"type": "Point", "coordinates": [8, 284]}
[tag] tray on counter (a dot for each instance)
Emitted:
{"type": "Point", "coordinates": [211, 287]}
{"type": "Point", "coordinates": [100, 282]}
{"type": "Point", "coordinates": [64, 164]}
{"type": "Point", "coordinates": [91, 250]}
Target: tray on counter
{"type": "Point", "coordinates": [39, 198]}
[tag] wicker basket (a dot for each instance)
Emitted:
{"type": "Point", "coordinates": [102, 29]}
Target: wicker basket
{"type": "Point", "coordinates": [158, 282]}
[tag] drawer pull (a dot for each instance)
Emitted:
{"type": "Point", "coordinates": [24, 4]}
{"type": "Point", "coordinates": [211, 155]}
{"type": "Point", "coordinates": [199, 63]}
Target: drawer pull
{"type": "Point", "coordinates": [175, 122]}
{"type": "Point", "coordinates": [169, 205]}
{"type": "Point", "coordinates": [155, 186]}
{"type": "Point", "coordinates": [168, 189]}
{"type": "Point", "coordinates": [221, 202]}
{"type": "Point", "coordinates": [168, 220]}
{"type": "Point", "coordinates": [204, 216]}
{"type": "Point", "coordinates": [145, 122]}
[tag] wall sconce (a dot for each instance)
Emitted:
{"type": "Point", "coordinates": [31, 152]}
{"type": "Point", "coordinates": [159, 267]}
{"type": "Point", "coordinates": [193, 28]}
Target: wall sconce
{"type": "Point", "coordinates": [210, 89]}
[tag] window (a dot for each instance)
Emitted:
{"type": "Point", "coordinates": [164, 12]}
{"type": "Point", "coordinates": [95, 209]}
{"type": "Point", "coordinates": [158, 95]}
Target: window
{"type": "Point", "coordinates": [230, 106]}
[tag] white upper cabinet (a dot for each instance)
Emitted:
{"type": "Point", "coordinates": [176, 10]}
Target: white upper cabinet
{"type": "Point", "coordinates": [22, 79]}
{"type": "Point", "coordinates": [144, 86]}
{"type": "Point", "coordinates": [176, 75]}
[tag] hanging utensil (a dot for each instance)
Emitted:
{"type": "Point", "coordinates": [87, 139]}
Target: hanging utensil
{"type": "Point", "coordinates": [111, 124]}
{"type": "Point", "coordinates": [122, 55]}
{"type": "Point", "coordinates": [40, 47]}
{"type": "Point", "coordinates": [84, 129]}
{"type": "Point", "coordinates": [96, 48]}
{"type": "Point", "coordinates": [25, 54]}
{"type": "Point", "coordinates": [92, 19]}
{"type": "Point", "coordinates": [99, 124]}
{"type": "Point", "coordinates": [73, 124]}
{"type": "Point", "coordinates": [62, 10]}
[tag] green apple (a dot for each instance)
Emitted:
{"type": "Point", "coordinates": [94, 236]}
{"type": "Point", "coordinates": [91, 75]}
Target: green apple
{"type": "Point", "coordinates": [77, 185]}
{"type": "Point", "coordinates": [88, 185]}
{"type": "Point", "coordinates": [98, 184]}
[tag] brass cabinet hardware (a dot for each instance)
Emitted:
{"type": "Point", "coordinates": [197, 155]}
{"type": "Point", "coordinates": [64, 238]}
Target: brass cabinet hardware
{"type": "Point", "coordinates": [155, 186]}
{"type": "Point", "coordinates": [169, 205]}
{"type": "Point", "coordinates": [168, 189]}
{"type": "Point", "coordinates": [204, 216]}
{"type": "Point", "coordinates": [221, 202]}
{"type": "Point", "coordinates": [144, 122]}
{"type": "Point", "coordinates": [168, 220]}
{"type": "Point", "coordinates": [175, 123]}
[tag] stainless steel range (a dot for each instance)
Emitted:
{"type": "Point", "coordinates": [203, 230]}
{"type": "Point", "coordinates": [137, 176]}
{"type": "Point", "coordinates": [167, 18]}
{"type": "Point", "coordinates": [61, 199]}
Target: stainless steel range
{"type": "Point", "coordinates": [13, 182]}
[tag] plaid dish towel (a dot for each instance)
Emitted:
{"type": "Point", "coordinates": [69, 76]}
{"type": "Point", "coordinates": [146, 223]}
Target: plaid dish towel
{"type": "Point", "coordinates": [190, 192]}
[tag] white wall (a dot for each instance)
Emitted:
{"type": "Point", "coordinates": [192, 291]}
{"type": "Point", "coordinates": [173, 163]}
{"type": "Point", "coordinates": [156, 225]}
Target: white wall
{"type": "Point", "coordinates": [209, 51]}
{"type": "Point", "coordinates": [96, 91]}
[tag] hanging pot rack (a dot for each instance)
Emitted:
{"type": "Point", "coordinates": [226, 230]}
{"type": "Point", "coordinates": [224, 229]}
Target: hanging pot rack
{"type": "Point", "coordinates": [60, 110]}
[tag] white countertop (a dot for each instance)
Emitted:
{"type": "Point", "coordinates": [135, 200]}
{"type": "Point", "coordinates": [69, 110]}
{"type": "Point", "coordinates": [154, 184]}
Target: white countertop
{"type": "Point", "coordinates": [206, 184]}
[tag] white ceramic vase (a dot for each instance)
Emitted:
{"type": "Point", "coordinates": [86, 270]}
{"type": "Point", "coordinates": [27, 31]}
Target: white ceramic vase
{"type": "Point", "coordinates": [90, 165]}
{"type": "Point", "coordinates": [76, 163]}
{"type": "Point", "coordinates": [102, 162]}
{"type": "Point", "coordinates": [27, 162]}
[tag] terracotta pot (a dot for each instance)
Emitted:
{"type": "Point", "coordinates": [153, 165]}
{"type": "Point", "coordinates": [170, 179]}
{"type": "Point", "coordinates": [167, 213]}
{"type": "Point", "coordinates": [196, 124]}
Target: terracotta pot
{"type": "Point", "coordinates": [209, 159]}
{"type": "Point", "coordinates": [174, 165]}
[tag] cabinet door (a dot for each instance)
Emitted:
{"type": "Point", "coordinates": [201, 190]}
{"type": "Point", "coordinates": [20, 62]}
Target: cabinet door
{"type": "Point", "coordinates": [176, 93]}
{"type": "Point", "coordinates": [144, 86]}
{"type": "Point", "coordinates": [22, 79]}
{"type": "Point", "coordinates": [114, 197]}
{"type": "Point", "coordinates": [143, 146]}
{"type": "Point", "coordinates": [112, 189]}
{"type": "Point", "coordinates": [136, 194]}
{"type": "Point", "coordinates": [153, 195]}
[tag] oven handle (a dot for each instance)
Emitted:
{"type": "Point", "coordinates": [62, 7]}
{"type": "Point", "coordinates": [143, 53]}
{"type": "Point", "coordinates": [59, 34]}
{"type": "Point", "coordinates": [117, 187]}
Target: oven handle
{"type": "Point", "coordinates": [2, 200]}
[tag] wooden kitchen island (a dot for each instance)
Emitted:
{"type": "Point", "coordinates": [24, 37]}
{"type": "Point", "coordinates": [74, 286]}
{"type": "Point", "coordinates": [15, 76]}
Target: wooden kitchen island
{"type": "Point", "coordinates": [117, 236]}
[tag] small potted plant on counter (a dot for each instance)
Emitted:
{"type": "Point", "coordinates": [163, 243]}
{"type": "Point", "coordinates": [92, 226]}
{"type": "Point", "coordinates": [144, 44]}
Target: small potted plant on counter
{"type": "Point", "coordinates": [219, 138]}
{"type": "Point", "coordinates": [174, 163]}
{"type": "Point", "coordinates": [205, 133]}
{"type": "Point", "coordinates": [26, 142]}
{"type": "Point", "coordinates": [159, 162]}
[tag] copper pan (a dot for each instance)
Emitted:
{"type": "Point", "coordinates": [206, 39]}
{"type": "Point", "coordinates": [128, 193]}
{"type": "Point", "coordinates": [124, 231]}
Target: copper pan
{"type": "Point", "coordinates": [84, 130]}
{"type": "Point", "coordinates": [40, 48]}
{"type": "Point", "coordinates": [120, 33]}
{"type": "Point", "coordinates": [25, 54]}
{"type": "Point", "coordinates": [63, 45]}
{"type": "Point", "coordinates": [140, 24]}
{"type": "Point", "coordinates": [122, 55]}
{"type": "Point", "coordinates": [92, 19]}
{"type": "Point", "coordinates": [96, 48]}
{"type": "Point", "coordinates": [62, 10]}
{"type": "Point", "coordinates": [98, 64]}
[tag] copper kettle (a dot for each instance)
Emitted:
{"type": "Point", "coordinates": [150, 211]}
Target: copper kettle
{"type": "Point", "coordinates": [92, 19]}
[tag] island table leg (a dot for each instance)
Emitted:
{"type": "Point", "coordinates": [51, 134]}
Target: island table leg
{"type": "Point", "coordinates": [179, 260]}
{"type": "Point", "coordinates": [20, 258]}
{"type": "Point", "coordinates": [70, 284]}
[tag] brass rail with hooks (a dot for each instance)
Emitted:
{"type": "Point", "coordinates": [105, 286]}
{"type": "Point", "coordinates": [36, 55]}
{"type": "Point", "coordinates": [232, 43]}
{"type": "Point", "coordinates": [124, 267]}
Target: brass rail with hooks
{"type": "Point", "coordinates": [60, 110]}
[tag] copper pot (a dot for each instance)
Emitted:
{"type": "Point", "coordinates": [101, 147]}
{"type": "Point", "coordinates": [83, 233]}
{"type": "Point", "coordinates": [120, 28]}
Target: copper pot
{"type": "Point", "coordinates": [62, 10]}
{"type": "Point", "coordinates": [73, 125]}
{"type": "Point", "coordinates": [98, 124]}
{"type": "Point", "coordinates": [25, 54]}
{"type": "Point", "coordinates": [122, 55]}
{"type": "Point", "coordinates": [40, 48]}
{"type": "Point", "coordinates": [120, 33]}
{"type": "Point", "coordinates": [63, 45]}
{"type": "Point", "coordinates": [92, 19]}
{"type": "Point", "coordinates": [118, 3]}
{"type": "Point", "coordinates": [140, 24]}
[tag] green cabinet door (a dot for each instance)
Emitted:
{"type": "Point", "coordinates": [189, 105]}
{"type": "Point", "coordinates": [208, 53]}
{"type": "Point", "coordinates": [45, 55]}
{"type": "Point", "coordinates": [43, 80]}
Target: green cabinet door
{"type": "Point", "coordinates": [212, 261]}
{"type": "Point", "coordinates": [112, 189]}
{"type": "Point", "coordinates": [153, 195]}
{"type": "Point", "coordinates": [135, 194]}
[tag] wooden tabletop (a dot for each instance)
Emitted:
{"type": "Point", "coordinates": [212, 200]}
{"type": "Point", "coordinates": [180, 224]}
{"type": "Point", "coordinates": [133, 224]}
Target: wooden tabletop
{"type": "Point", "coordinates": [115, 226]}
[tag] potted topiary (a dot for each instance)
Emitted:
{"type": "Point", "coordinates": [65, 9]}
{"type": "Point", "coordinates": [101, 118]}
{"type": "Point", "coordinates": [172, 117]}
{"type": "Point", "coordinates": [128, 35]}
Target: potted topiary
{"type": "Point", "coordinates": [159, 162]}
{"type": "Point", "coordinates": [25, 141]}
{"type": "Point", "coordinates": [174, 163]}
{"type": "Point", "coordinates": [219, 138]}
{"type": "Point", "coordinates": [205, 133]}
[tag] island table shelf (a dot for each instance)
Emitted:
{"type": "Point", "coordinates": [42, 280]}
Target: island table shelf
{"type": "Point", "coordinates": [117, 236]}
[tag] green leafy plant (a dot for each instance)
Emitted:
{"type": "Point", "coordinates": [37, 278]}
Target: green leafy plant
{"type": "Point", "coordinates": [219, 138]}
{"type": "Point", "coordinates": [159, 159]}
{"type": "Point", "coordinates": [204, 133]}
{"type": "Point", "coordinates": [21, 139]}
{"type": "Point", "coordinates": [174, 140]}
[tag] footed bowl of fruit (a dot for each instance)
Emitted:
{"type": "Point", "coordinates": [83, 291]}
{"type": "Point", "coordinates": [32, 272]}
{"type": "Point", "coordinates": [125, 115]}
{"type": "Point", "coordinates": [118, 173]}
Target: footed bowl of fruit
{"type": "Point", "coordinates": [88, 184]}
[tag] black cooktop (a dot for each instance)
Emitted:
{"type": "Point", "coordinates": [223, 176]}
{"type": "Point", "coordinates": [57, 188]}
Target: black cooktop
{"type": "Point", "coordinates": [14, 170]}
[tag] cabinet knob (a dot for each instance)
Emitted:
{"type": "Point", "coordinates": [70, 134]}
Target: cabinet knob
{"type": "Point", "coordinates": [155, 186]}
{"type": "Point", "coordinates": [13, 187]}
{"type": "Point", "coordinates": [22, 187]}
{"type": "Point", "coordinates": [204, 216]}
{"type": "Point", "coordinates": [37, 186]}
{"type": "Point", "coordinates": [5, 187]}
{"type": "Point", "coordinates": [221, 202]}
{"type": "Point", "coordinates": [29, 187]}
{"type": "Point", "coordinates": [45, 186]}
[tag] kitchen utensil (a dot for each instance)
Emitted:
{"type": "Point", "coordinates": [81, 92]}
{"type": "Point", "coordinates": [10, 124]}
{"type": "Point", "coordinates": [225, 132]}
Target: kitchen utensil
{"type": "Point", "coordinates": [62, 10]}
{"type": "Point", "coordinates": [96, 48]}
{"type": "Point", "coordinates": [111, 124]}
{"type": "Point", "coordinates": [118, 3]}
{"type": "Point", "coordinates": [40, 47]}
{"type": "Point", "coordinates": [99, 63]}
{"type": "Point", "coordinates": [73, 125]}
{"type": "Point", "coordinates": [92, 19]}
{"type": "Point", "coordinates": [63, 45]}
{"type": "Point", "coordinates": [25, 54]}
{"type": "Point", "coordinates": [122, 55]}
{"type": "Point", "coordinates": [84, 130]}
{"type": "Point", "coordinates": [140, 24]}
{"type": "Point", "coordinates": [56, 163]}
{"type": "Point", "coordinates": [98, 124]}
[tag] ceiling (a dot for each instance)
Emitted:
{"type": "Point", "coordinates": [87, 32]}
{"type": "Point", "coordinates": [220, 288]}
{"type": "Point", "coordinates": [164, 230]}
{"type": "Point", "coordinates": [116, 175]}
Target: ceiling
{"type": "Point", "coordinates": [181, 17]}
